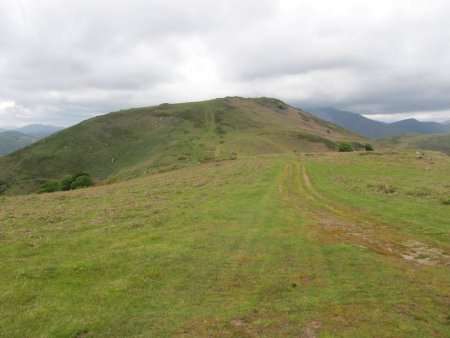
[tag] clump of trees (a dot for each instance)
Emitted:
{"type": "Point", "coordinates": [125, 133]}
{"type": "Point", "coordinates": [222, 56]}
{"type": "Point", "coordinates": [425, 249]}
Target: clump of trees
{"type": "Point", "coordinates": [345, 147]}
{"type": "Point", "coordinates": [68, 182]}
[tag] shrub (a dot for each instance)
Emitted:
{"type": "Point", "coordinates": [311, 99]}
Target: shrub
{"type": "Point", "coordinates": [82, 181]}
{"type": "Point", "coordinates": [281, 105]}
{"type": "Point", "coordinates": [368, 147]}
{"type": "Point", "coordinates": [66, 182]}
{"type": "Point", "coordinates": [3, 186]}
{"type": "Point", "coordinates": [49, 186]}
{"type": "Point", "coordinates": [345, 147]}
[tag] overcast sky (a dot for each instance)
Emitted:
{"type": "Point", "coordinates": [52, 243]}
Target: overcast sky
{"type": "Point", "coordinates": [63, 61]}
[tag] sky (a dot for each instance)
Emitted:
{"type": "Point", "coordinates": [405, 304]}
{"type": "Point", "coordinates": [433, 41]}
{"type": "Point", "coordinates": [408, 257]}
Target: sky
{"type": "Point", "coordinates": [63, 61]}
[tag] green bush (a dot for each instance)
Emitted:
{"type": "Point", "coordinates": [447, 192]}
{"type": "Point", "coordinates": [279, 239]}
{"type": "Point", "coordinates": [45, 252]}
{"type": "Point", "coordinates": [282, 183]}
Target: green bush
{"type": "Point", "coordinates": [66, 182]}
{"type": "Point", "coordinates": [345, 147]}
{"type": "Point", "coordinates": [49, 186]}
{"type": "Point", "coordinates": [368, 147]}
{"type": "Point", "coordinates": [82, 181]}
{"type": "Point", "coordinates": [3, 186]}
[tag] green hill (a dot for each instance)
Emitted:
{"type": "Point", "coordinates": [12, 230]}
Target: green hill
{"type": "Point", "coordinates": [12, 140]}
{"type": "Point", "coordinates": [135, 142]}
{"type": "Point", "coordinates": [434, 142]}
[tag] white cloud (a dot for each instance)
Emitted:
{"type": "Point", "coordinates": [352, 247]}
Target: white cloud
{"type": "Point", "coordinates": [6, 104]}
{"type": "Point", "coordinates": [439, 116]}
{"type": "Point", "coordinates": [61, 62]}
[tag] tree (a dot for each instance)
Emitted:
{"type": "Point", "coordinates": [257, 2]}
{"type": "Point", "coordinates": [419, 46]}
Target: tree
{"type": "Point", "coordinates": [49, 186]}
{"type": "Point", "coordinates": [66, 182]}
{"type": "Point", "coordinates": [345, 147]}
{"type": "Point", "coordinates": [368, 147]}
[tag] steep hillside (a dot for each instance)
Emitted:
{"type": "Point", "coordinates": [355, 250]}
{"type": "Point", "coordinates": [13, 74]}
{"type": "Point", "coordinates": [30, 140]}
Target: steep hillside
{"type": "Point", "coordinates": [135, 142]}
{"type": "Point", "coordinates": [377, 129]}
{"type": "Point", "coordinates": [435, 142]}
{"type": "Point", "coordinates": [11, 140]}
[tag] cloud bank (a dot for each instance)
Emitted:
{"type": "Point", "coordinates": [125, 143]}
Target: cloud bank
{"type": "Point", "coordinates": [64, 61]}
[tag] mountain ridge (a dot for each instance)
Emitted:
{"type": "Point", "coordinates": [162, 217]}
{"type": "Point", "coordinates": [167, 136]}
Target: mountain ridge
{"type": "Point", "coordinates": [17, 138]}
{"type": "Point", "coordinates": [12, 140]}
{"type": "Point", "coordinates": [376, 129]}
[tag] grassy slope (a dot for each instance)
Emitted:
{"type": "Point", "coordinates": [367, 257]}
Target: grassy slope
{"type": "Point", "coordinates": [434, 142]}
{"type": "Point", "coordinates": [131, 143]}
{"type": "Point", "coordinates": [252, 247]}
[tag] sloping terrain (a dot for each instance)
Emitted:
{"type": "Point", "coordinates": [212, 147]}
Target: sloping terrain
{"type": "Point", "coordinates": [307, 245]}
{"type": "Point", "coordinates": [135, 142]}
{"type": "Point", "coordinates": [434, 142]}
{"type": "Point", "coordinates": [376, 129]}
{"type": "Point", "coordinates": [11, 140]}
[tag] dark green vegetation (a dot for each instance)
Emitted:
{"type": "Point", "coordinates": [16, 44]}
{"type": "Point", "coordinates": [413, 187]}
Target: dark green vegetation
{"type": "Point", "coordinates": [435, 142]}
{"type": "Point", "coordinates": [368, 147]}
{"type": "Point", "coordinates": [68, 182]}
{"type": "Point", "coordinates": [345, 147]}
{"type": "Point", "coordinates": [13, 140]}
{"type": "Point", "coordinates": [137, 142]}
{"type": "Point", "coordinates": [377, 129]}
{"type": "Point", "coordinates": [312, 245]}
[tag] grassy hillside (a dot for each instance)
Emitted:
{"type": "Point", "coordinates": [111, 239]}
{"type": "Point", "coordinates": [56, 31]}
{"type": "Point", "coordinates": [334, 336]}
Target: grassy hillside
{"type": "Point", "coordinates": [436, 142]}
{"type": "Point", "coordinates": [135, 142]}
{"type": "Point", "coordinates": [12, 140]}
{"type": "Point", "coordinates": [263, 246]}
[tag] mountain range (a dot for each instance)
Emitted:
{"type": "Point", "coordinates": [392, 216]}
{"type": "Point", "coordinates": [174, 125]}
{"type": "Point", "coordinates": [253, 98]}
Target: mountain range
{"type": "Point", "coordinates": [377, 129]}
{"type": "Point", "coordinates": [17, 138]}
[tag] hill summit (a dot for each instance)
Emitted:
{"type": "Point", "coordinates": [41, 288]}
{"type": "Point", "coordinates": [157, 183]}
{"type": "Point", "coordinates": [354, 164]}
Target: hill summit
{"type": "Point", "coordinates": [135, 142]}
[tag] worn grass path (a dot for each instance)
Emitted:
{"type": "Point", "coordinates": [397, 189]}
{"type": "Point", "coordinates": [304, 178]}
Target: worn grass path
{"type": "Point", "coordinates": [245, 248]}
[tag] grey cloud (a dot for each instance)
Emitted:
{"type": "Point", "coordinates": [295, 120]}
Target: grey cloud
{"type": "Point", "coordinates": [66, 61]}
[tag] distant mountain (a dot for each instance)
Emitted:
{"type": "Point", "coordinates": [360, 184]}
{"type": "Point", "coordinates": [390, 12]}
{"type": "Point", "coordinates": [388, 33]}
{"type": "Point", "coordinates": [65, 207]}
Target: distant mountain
{"type": "Point", "coordinates": [39, 130]}
{"type": "Point", "coordinates": [377, 129]}
{"type": "Point", "coordinates": [354, 122]}
{"type": "Point", "coordinates": [12, 140]}
{"type": "Point", "coordinates": [414, 126]}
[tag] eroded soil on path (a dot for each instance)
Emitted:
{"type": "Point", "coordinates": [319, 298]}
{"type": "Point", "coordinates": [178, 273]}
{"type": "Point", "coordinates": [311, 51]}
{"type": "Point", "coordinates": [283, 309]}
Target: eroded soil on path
{"type": "Point", "coordinates": [356, 226]}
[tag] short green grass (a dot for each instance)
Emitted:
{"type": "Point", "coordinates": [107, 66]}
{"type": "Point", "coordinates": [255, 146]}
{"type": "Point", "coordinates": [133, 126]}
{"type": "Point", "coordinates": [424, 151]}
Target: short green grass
{"type": "Point", "coordinates": [224, 249]}
{"type": "Point", "coordinates": [406, 192]}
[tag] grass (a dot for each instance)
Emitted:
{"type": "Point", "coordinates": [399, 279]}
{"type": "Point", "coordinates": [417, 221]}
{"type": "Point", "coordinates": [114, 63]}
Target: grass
{"type": "Point", "coordinates": [259, 246]}
{"type": "Point", "coordinates": [434, 142]}
{"type": "Point", "coordinates": [396, 187]}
